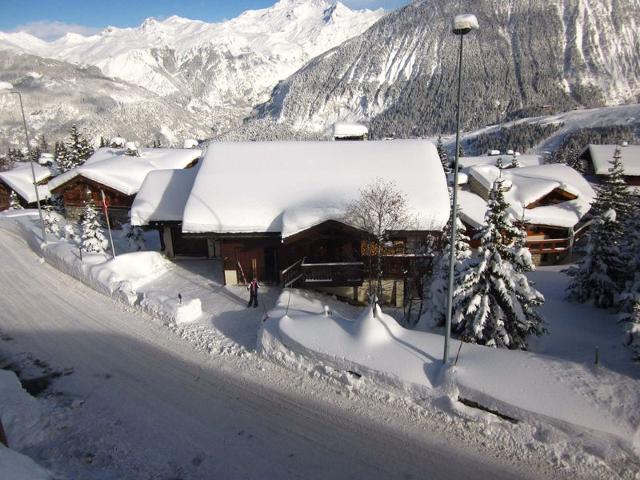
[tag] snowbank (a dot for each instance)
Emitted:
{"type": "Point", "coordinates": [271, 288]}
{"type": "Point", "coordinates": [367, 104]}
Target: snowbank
{"type": "Point", "coordinates": [522, 385]}
{"type": "Point", "coordinates": [15, 466]}
{"type": "Point", "coordinates": [121, 277]}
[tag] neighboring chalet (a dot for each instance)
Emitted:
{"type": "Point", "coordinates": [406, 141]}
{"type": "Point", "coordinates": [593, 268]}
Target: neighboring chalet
{"type": "Point", "coordinates": [465, 163]}
{"type": "Point", "coordinates": [118, 175]}
{"type": "Point", "coordinates": [160, 204]}
{"type": "Point", "coordinates": [20, 180]}
{"type": "Point", "coordinates": [274, 210]}
{"type": "Point", "coordinates": [551, 199]}
{"type": "Point", "coordinates": [350, 131]}
{"type": "Point", "coordinates": [596, 160]}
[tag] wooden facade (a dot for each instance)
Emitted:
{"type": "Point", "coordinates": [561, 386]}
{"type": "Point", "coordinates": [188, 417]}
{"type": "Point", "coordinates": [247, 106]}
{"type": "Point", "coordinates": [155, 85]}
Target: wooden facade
{"type": "Point", "coordinates": [76, 191]}
{"type": "Point", "coordinates": [5, 192]}
{"type": "Point", "coordinates": [329, 255]}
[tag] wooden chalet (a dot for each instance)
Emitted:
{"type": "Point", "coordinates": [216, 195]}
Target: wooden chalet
{"type": "Point", "coordinates": [596, 160]}
{"type": "Point", "coordinates": [19, 179]}
{"type": "Point", "coordinates": [551, 200]}
{"type": "Point", "coordinates": [274, 211]}
{"type": "Point", "coordinates": [117, 175]}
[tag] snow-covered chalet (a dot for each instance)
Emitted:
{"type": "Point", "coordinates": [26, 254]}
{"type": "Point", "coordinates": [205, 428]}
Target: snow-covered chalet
{"type": "Point", "coordinates": [19, 179]}
{"type": "Point", "coordinates": [596, 160]}
{"type": "Point", "coordinates": [275, 210]}
{"type": "Point", "coordinates": [118, 175]}
{"type": "Point", "coordinates": [552, 200]}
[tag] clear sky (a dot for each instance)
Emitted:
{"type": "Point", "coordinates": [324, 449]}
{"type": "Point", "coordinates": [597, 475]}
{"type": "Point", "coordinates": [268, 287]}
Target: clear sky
{"type": "Point", "coordinates": [49, 19]}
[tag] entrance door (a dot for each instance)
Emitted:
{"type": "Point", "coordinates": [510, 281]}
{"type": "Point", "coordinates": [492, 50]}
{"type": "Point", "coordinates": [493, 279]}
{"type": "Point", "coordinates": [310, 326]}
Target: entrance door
{"type": "Point", "coordinates": [270, 265]}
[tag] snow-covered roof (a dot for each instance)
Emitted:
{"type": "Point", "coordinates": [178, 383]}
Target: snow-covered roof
{"type": "Point", "coordinates": [125, 173]}
{"type": "Point", "coordinates": [602, 155]}
{"type": "Point", "coordinates": [287, 187]}
{"type": "Point", "coordinates": [528, 185]}
{"type": "Point", "coordinates": [524, 160]}
{"type": "Point", "coordinates": [20, 180]}
{"type": "Point", "coordinates": [162, 196]}
{"type": "Point", "coordinates": [345, 130]}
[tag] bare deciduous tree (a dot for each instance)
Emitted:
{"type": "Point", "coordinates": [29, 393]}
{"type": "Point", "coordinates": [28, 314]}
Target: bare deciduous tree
{"type": "Point", "coordinates": [380, 209]}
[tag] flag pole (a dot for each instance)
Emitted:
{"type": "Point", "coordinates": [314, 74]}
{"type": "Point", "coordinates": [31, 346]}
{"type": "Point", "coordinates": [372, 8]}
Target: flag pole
{"type": "Point", "coordinates": [106, 216]}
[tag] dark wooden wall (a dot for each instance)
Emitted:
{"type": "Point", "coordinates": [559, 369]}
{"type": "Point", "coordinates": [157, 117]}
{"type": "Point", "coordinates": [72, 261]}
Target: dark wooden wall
{"type": "Point", "coordinates": [4, 196]}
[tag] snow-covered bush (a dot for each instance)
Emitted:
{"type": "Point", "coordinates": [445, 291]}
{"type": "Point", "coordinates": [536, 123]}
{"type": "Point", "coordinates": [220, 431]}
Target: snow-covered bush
{"type": "Point", "coordinates": [92, 239]}
{"type": "Point", "coordinates": [495, 304]}
{"type": "Point", "coordinates": [51, 220]}
{"type": "Point", "coordinates": [14, 201]}
{"type": "Point", "coordinates": [134, 236]}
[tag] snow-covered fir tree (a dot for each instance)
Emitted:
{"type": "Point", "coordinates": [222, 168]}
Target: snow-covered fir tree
{"type": "Point", "coordinates": [495, 304]}
{"type": "Point", "coordinates": [630, 246]}
{"type": "Point", "coordinates": [444, 157]}
{"type": "Point", "coordinates": [595, 276]}
{"type": "Point", "coordinates": [600, 274]}
{"type": "Point", "coordinates": [92, 238]}
{"type": "Point", "coordinates": [499, 163]}
{"type": "Point", "coordinates": [515, 161]}
{"type": "Point", "coordinates": [134, 236]}
{"type": "Point", "coordinates": [435, 309]}
{"type": "Point", "coordinates": [77, 150]}
{"type": "Point", "coordinates": [59, 156]}
{"type": "Point", "coordinates": [14, 201]}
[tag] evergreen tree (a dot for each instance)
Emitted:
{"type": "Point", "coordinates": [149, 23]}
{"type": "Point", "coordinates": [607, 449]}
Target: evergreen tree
{"type": "Point", "coordinates": [103, 142]}
{"type": "Point", "coordinates": [134, 236]}
{"type": "Point", "coordinates": [43, 145]}
{"type": "Point", "coordinates": [613, 194]}
{"type": "Point", "coordinates": [92, 239]}
{"type": "Point", "coordinates": [499, 163]}
{"type": "Point", "coordinates": [495, 304]}
{"type": "Point", "coordinates": [77, 150]}
{"type": "Point", "coordinates": [14, 201]}
{"type": "Point", "coordinates": [515, 161]}
{"type": "Point", "coordinates": [444, 157]}
{"type": "Point", "coordinates": [436, 292]}
{"type": "Point", "coordinates": [594, 278]}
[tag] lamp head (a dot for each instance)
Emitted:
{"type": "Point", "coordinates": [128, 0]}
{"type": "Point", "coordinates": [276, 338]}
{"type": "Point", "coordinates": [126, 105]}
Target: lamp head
{"type": "Point", "coordinates": [5, 87]}
{"type": "Point", "coordinates": [463, 24]}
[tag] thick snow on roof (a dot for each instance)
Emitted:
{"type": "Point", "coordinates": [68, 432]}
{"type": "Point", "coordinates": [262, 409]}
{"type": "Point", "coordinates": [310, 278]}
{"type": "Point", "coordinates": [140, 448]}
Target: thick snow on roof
{"type": "Point", "coordinates": [20, 180]}
{"type": "Point", "coordinates": [525, 160]}
{"type": "Point", "coordinates": [290, 186]}
{"type": "Point", "coordinates": [529, 184]}
{"type": "Point", "coordinates": [341, 130]}
{"type": "Point", "coordinates": [472, 208]}
{"type": "Point", "coordinates": [602, 155]}
{"type": "Point", "coordinates": [125, 173]}
{"type": "Point", "coordinates": [162, 196]}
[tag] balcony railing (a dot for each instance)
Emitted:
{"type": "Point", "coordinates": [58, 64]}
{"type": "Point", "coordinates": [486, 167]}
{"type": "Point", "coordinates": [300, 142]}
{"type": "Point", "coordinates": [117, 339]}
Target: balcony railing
{"type": "Point", "coordinates": [330, 274]}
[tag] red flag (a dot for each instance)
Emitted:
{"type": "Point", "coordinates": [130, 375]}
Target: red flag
{"type": "Point", "coordinates": [105, 202]}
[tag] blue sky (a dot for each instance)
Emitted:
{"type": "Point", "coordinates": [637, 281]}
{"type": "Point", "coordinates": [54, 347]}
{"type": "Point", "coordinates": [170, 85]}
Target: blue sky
{"type": "Point", "coordinates": [49, 19]}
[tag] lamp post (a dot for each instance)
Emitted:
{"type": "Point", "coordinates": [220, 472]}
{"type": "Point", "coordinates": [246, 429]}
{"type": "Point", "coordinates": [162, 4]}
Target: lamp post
{"type": "Point", "coordinates": [7, 88]}
{"type": "Point", "coordinates": [462, 24]}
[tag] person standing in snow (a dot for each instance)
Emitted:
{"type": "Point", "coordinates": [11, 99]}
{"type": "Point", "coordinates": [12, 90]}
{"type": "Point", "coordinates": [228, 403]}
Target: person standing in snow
{"type": "Point", "coordinates": [253, 292]}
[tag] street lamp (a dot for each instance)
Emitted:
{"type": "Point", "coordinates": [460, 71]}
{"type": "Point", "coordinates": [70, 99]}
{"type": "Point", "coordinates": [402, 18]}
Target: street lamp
{"type": "Point", "coordinates": [462, 24]}
{"type": "Point", "coordinates": [7, 88]}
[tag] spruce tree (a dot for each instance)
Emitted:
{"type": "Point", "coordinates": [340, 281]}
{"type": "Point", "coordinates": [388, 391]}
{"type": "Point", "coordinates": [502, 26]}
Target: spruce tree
{"type": "Point", "coordinates": [51, 220]}
{"type": "Point", "coordinates": [594, 278]}
{"type": "Point", "coordinates": [614, 194]}
{"type": "Point", "coordinates": [515, 161]}
{"type": "Point", "coordinates": [14, 201]}
{"type": "Point", "coordinates": [92, 238]}
{"type": "Point", "coordinates": [77, 150]}
{"type": "Point", "coordinates": [444, 157]}
{"type": "Point", "coordinates": [495, 304]}
{"type": "Point", "coordinates": [436, 291]}
{"type": "Point", "coordinates": [499, 163]}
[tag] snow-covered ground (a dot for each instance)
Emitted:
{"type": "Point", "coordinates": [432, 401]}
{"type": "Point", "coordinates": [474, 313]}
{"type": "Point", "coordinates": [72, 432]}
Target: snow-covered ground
{"type": "Point", "coordinates": [139, 402]}
{"type": "Point", "coordinates": [349, 410]}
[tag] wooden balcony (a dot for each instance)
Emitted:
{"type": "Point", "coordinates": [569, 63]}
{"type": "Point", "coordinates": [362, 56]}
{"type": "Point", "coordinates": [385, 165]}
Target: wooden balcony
{"type": "Point", "coordinates": [330, 274]}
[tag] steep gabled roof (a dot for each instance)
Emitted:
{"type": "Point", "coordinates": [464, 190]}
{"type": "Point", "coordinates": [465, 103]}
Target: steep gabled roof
{"type": "Point", "coordinates": [286, 187]}
{"type": "Point", "coordinates": [124, 173]}
{"type": "Point", "coordinates": [20, 180]}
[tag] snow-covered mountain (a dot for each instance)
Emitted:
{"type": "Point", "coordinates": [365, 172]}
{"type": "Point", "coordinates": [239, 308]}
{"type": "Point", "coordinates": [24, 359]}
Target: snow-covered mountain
{"type": "Point", "coordinates": [223, 69]}
{"type": "Point", "coordinates": [529, 57]}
